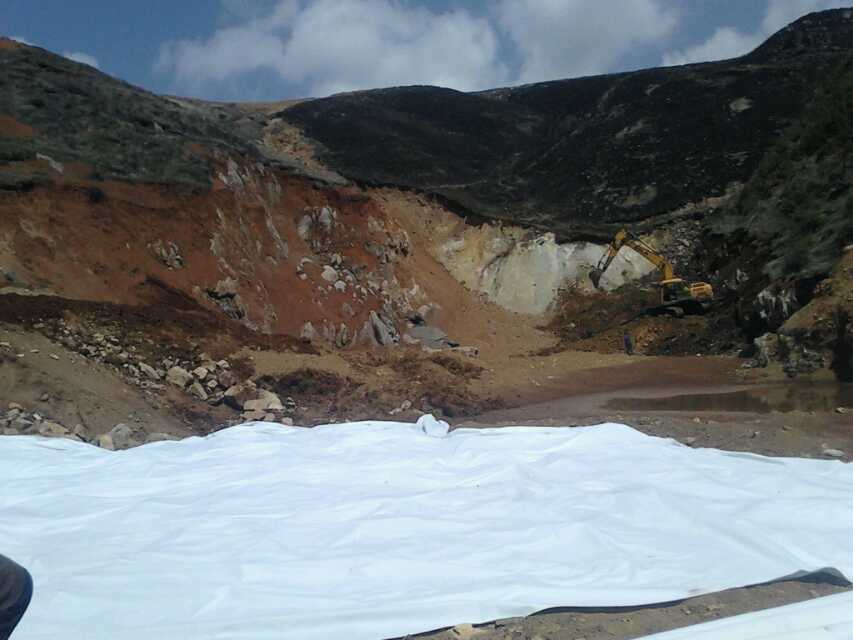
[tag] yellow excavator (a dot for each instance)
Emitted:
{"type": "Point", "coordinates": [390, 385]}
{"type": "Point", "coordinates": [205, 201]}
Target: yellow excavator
{"type": "Point", "coordinates": [677, 296]}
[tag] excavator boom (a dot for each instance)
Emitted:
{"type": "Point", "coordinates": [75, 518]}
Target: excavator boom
{"type": "Point", "coordinates": [625, 237]}
{"type": "Point", "coordinates": [677, 297]}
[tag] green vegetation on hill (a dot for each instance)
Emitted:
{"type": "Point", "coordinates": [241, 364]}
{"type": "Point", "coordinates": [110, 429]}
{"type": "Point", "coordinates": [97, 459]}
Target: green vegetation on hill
{"type": "Point", "coordinates": [797, 210]}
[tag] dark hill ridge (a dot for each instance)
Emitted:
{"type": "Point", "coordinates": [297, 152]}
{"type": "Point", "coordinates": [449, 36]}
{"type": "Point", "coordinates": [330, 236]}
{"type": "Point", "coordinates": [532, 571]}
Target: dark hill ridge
{"type": "Point", "coordinates": [577, 156]}
{"type": "Point", "coordinates": [79, 114]}
{"type": "Point", "coordinates": [573, 156]}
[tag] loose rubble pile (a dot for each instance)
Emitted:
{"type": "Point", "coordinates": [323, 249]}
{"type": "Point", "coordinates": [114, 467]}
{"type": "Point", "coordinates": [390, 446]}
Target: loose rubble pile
{"type": "Point", "coordinates": [17, 421]}
{"type": "Point", "coordinates": [334, 274]}
{"type": "Point", "coordinates": [795, 357]}
{"type": "Point", "coordinates": [155, 368]}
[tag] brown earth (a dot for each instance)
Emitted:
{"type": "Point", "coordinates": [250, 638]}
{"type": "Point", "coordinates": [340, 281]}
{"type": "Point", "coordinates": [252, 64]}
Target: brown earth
{"type": "Point", "coordinates": [636, 622]}
{"type": "Point", "coordinates": [72, 391]}
{"type": "Point", "coordinates": [11, 128]}
{"type": "Point", "coordinates": [8, 44]}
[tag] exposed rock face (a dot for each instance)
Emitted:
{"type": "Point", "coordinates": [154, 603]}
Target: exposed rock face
{"type": "Point", "coordinates": [225, 295]}
{"type": "Point", "coordinates": [525, 273]}
{"type": "Point", "coordinates": [774, 305]}
{"type": "Point", "coordinates": [384, 332]}
{"type": "Point", "coordinates": [168, 253]}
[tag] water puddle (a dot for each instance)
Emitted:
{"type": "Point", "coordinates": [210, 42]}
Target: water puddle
{"type": "Point", "coordinates": [781, 398]}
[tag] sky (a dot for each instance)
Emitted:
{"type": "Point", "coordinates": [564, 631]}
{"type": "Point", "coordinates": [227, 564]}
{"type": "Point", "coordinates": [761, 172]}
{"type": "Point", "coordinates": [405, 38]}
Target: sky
{"type": "Point", "coordinates": [256, 50]}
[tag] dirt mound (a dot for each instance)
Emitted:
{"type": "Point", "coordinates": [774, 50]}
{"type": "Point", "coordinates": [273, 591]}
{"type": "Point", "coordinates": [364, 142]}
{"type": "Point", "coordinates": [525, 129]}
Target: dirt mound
{"type": "Point", "coordinates": [598, 322]}
{"type": "Point", "coordinates": [308, 385]}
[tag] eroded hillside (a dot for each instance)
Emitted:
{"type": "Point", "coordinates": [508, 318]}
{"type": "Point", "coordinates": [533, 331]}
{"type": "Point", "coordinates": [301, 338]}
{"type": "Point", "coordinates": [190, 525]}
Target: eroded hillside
{"type": "Point", "coordinates": [222, 262]}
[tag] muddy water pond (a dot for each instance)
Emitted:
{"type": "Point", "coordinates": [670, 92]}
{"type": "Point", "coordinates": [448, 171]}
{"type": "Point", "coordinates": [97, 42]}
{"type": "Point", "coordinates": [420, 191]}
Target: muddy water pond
{"type": "Point", "coordinates": [783, 398]}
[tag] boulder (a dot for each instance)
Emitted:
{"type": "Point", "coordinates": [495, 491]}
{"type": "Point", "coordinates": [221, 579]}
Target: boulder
{"type": "Point", "coordinates": [254, 405]}
{"type": "Point", "coordinates": [120, 437]}
{"type": "Point", "coordinates": [329, 274]}
{"type": "Point", "coordinates": [21, 425]}
{"type": "Point", "coordinates": [237, 395]}
{"type": "Point", "coordinates": [766, 349]}
{"type": "Point", "coordinates": [198, 391]}
{"type": "Point", "coordinates": [266, 401]}
{"type": "Point", "coordinates": [253, 416]}
{"type": "Point", "coordinates": [149, 371]}
{"type": "Point", "coordinates": [215, 398]}
{"type": "Point", "coordinates": [81, 432]}
{"type": "Point", "coordinates": [432, 337]}
{"type": "Point", "coordinates": [308, 332]}
{"type": "Point", "coordinates": [179, 377]}
{"type": "Point", "coordinates": [226, 379]}
{"type": "Point", "coordinates": [52, 429]}
{"type": "Point", "coordinates": [201, 373]}
{"type": "Point", "coordinates": [382, 333]}
{"type": "Point", "coordinates": [342, 338]}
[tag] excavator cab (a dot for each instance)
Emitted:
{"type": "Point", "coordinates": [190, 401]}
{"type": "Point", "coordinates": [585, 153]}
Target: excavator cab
{"type": "Point", "coordinates": [673, 289]}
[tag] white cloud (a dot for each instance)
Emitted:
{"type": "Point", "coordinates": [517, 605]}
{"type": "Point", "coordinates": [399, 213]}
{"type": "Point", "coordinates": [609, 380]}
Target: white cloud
{"type": "Point", "coordinates": [326, 46]}
{"type": "Point", "coordinates": [728, 42]}
{"type": "Point", "coordinates": [564, 38]}
{"type": "Point", "coordinates": [340, 45]}
{"type": "Point", "coordinates": [83, 58]}
{"type": "Point", "coordinates": [22, 40]}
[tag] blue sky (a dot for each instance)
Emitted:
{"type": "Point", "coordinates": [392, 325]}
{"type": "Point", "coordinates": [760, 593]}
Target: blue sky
{"type": "Point", "coordinates": [276, 49]}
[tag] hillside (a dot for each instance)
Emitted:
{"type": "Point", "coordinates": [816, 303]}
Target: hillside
{"type": "Point", "coordinates": [296, 238]}
{"type": "Point", "coordinates": [578, 156]}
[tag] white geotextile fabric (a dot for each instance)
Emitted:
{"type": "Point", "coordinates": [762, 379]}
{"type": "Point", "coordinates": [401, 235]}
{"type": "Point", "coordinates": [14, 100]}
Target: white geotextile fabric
{"type": "Point", "coordinates": [378, 529]}
{"type": "Point", "coordinates": [829, 618]}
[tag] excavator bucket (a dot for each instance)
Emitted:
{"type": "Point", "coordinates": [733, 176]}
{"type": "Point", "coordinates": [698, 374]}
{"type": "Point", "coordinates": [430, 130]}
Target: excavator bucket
{"type": "Point", "coordinates": [595, 277]}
